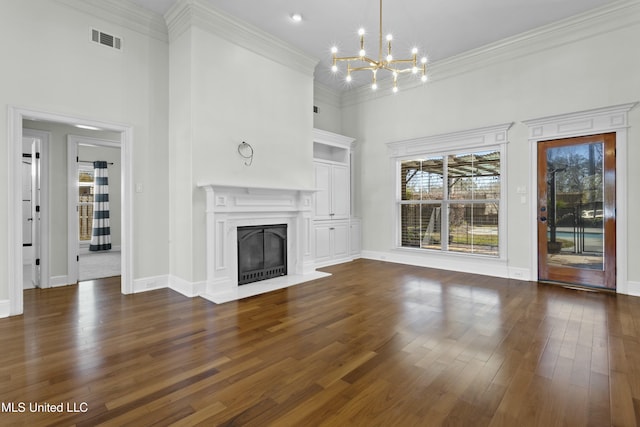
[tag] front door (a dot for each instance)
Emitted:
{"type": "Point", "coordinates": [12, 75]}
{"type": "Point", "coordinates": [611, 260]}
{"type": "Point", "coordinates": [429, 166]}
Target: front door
{"type": "Point", "coordinates": [577, 211]}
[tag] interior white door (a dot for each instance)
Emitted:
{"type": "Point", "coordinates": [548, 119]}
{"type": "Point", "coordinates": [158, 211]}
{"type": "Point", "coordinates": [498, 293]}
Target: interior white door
{"type": "Point", "coordinates": [31, 225]}
{"type": "Point", "coordinates": [36, 227]}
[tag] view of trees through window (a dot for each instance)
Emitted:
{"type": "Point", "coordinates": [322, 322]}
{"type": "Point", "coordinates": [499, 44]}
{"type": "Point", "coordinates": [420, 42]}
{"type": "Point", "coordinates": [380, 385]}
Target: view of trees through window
{"type": "Point", "coordinates": [85, 203]}
{"type": "Point", "coordinates": [455, 195]}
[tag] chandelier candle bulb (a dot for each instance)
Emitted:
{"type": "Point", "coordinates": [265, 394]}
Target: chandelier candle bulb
{"type": "Point", "coordinates": [384, 62]}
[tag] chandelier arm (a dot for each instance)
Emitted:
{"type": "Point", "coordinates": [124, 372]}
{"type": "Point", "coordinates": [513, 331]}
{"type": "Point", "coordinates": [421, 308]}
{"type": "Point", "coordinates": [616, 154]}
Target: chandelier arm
{"type": "Point", "coordinates": [365, 68]}
{"type": "Point", "coordinates": [402, 70]}
{"type": "Point", "coordinates": [402, 61]}
{"type": "Point", "coordinates": [349, 58]}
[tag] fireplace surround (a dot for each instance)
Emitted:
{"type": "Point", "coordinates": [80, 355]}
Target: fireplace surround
{"type": "Point", "coordinates": [229, 207]}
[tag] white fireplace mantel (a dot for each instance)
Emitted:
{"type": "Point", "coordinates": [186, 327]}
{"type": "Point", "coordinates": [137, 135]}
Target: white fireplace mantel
{"type": "Point", "coordinates": [229, 207]}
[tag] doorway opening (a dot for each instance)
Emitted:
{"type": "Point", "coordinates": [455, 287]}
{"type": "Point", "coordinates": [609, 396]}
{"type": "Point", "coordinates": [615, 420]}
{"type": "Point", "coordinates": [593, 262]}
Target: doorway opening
{"type": "Point", "coordinates": [94, 191]}
{"type": "Point", "coordinates": [15, 242]}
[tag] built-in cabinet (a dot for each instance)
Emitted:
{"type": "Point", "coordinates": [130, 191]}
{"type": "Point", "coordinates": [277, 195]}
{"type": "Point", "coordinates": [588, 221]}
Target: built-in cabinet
{"type": "Point", "coordinates": [335, 239]}
{"type": "Point", "coordinates": [332, 197]}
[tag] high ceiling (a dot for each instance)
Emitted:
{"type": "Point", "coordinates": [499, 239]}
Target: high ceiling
{"type": "Point", "coordinates": [439, 28]}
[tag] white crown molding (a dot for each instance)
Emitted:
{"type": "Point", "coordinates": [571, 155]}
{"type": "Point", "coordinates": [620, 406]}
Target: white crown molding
{"type": "Point", "coordinates": [479, 137]}
{"type": "Point", "coordinates": [325, 94]}
{"type": "Point", "coordinates": [602, 20]}
{"type": "Point", "coordinates": [123, 13]}
{"type": "Point", "coordinates": [334, 139]}
{"type": "Point", "coordinates": [188, 13]}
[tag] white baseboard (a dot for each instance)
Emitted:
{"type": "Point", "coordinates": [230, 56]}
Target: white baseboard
{"type": "Point", "coordinates": [633, 288]}
{"type": "Point", "coordinates": [520, 274]}
{"type": "Point", "coordinates": [150, 283]}
{"type": "Point", "coordinates": [334, 262]}
{"type": "Point", "coordinates": [452, 262]}
{"type": "Point", "coordinates": [5, 308]}
{"type": "Point", "coordinates": [186, 288]}
{"type": "Point", "coordinates": [57, 281]}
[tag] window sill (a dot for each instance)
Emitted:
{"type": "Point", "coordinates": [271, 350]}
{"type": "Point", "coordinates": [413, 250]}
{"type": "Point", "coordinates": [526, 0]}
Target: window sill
{"type": "Point", "coordinates": [435, 252]}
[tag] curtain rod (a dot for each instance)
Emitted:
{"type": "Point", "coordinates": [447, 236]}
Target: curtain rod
{"type": "Point", "coordinates": [91, 161]}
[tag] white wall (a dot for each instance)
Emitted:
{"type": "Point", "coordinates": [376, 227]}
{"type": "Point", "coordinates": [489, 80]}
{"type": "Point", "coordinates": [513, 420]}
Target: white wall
{"type": "Point", "coordinates": [51, 65]}
{"type": "Point", "coordinates": [224, 93]}
{"type": "Point", "coordinates": [578, 67]}
{"type": "Point", "coordinates": [329, 115]}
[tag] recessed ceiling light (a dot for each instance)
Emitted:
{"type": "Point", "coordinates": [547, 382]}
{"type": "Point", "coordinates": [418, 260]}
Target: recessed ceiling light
{"type": "Point", "coordinates": [296, 17]}
{"type": "Point", "coordinates": [87, 127]}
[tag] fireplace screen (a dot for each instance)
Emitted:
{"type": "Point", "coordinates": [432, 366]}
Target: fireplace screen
{"type": "Point", "coordinates": [262, 252]}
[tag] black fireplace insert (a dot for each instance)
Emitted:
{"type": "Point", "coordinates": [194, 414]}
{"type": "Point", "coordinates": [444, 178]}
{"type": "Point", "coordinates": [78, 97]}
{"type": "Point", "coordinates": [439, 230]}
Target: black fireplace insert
{"type": "Point", "coordinates": [262, 252]}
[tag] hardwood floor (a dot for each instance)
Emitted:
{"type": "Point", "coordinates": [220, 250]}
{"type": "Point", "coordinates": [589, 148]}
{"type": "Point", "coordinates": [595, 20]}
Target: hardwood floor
{"type": "Point", "coordinates": [376, 344]}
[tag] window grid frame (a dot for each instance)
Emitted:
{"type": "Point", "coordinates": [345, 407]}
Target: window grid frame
{"type": "Point", "coordinates": [445, 202]}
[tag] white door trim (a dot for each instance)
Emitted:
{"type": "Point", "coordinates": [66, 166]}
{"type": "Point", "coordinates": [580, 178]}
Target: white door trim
{"type": "Point", "coordinates": [44, 138]}
{"type": "Point", "coordinates": [582, 123]}
{"type": "Point", "coordinates": [73, 141]}
{"type": "Point", "coordinates": [14, 233]}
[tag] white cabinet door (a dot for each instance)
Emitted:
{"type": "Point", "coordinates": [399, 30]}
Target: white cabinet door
{"type": "Point", "coordinates": [323, 243]}
{"type": "Point", "coordinates": [322, 197]}
{"type": "Point", "coordinates": [332, 242]}
{"type": "Point", "coordinates": [339, 192]}
{"type": "Point", "coordinates": [340, 239]}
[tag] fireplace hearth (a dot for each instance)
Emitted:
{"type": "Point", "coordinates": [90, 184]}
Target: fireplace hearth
{"type": "Point", "coordinates": [262, 252]}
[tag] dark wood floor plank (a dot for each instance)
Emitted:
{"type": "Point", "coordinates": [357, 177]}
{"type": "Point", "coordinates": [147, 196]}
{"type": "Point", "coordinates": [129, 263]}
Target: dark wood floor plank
{"type": "Point", "coordinates": [374, 344]}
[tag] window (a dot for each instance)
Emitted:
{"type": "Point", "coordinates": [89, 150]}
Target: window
{"type": "Point", "coordinates": [85, 202]}
{"type": "Point", "coordinates": [465, 209]}
{"type": "Point", "coordinates": [449, 191]}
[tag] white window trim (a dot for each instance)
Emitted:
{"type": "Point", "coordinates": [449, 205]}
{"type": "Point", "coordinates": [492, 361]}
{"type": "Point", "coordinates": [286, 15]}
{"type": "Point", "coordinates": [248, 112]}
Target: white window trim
{"type": "Point", "coordinates": [486, 138]}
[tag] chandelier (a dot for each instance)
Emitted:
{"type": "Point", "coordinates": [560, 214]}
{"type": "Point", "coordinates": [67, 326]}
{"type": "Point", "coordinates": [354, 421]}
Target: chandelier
{"type": "Point", "coordinates": [384, 62]}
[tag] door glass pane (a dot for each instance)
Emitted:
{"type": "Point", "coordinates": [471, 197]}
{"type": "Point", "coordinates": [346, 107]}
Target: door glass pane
{"type": "Point", "coordinates": [575, 226]}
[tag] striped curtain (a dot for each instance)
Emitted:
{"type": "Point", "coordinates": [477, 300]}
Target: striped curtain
{"type": "Point", "coordinates": [101, 231]}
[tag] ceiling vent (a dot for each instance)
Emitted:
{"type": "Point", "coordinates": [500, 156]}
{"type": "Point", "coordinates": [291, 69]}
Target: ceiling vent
{"type": "Point", "coordinates": [106, 39]}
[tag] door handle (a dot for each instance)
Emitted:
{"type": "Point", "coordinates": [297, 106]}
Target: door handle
{"type": "Point", "coordinates": [543, 218]}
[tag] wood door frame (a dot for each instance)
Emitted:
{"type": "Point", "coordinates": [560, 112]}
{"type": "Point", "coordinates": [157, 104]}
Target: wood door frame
{"type": "Point", "coordinates": [600, 120]}
{"type": "Point", "coordinates": [582, 277]}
